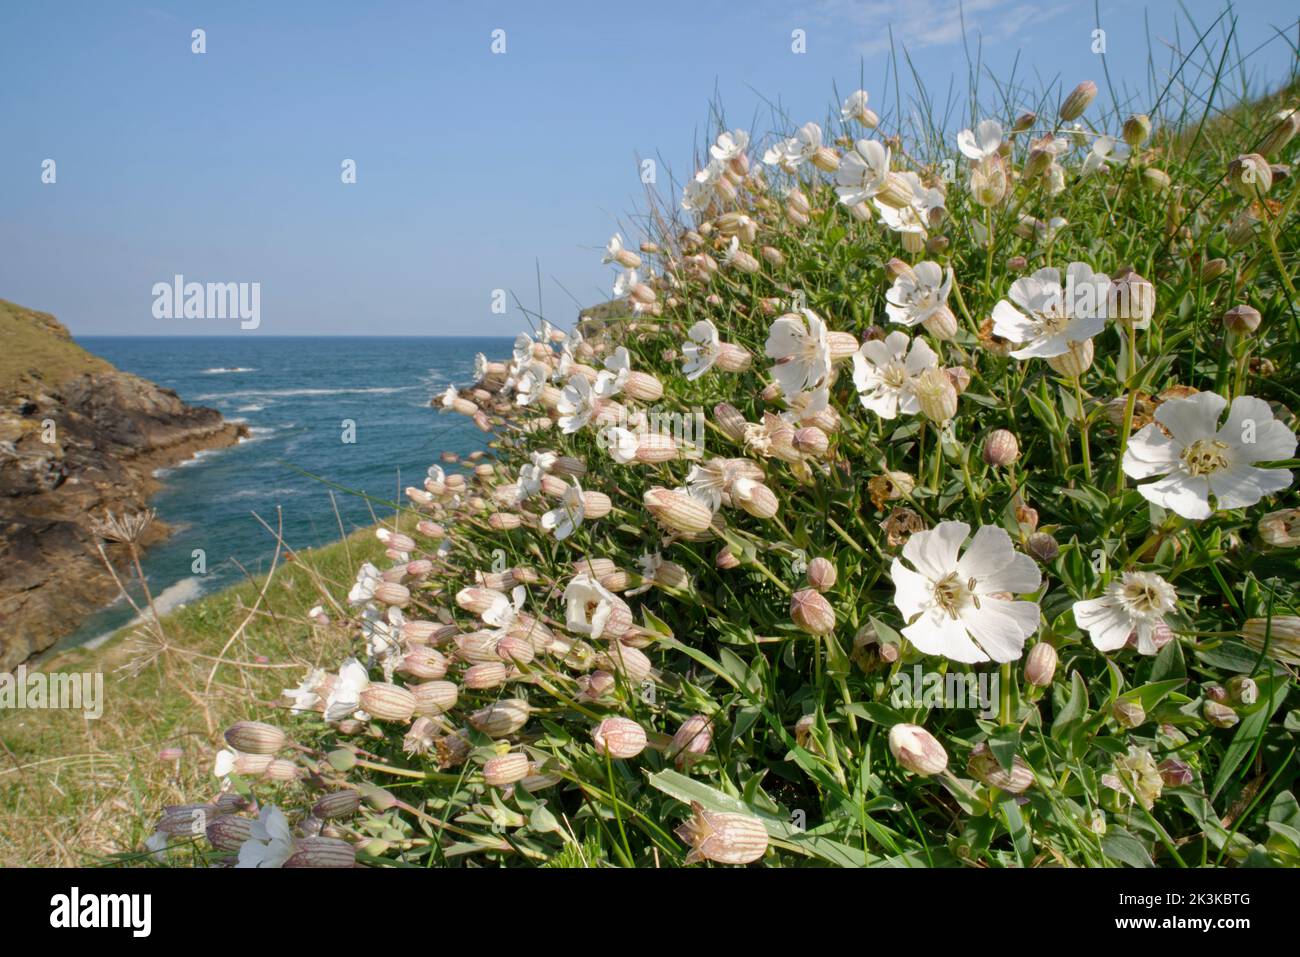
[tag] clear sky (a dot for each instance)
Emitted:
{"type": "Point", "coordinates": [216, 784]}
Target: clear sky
{"type": "Point", "coordinates": [472, 166]}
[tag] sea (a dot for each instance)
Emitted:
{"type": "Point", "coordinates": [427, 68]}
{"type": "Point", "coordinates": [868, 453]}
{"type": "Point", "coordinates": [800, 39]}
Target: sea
{"type": "Point", "coordinates": [334, 423]}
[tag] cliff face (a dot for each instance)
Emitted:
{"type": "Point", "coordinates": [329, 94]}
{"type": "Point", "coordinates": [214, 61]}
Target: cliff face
{"type": "Point", "coordinates": [77, 438]}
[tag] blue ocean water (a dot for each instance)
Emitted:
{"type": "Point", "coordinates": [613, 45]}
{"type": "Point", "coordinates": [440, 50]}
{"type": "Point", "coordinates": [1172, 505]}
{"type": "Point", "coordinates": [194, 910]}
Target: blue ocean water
{"type": "Point", "coordinates": [295, 395]}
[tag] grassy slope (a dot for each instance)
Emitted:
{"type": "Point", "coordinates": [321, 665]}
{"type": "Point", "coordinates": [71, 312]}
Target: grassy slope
{"type": "Point", "coordinates": [39, 349]}
{"type": "Point", "coordinates": [74, 790]}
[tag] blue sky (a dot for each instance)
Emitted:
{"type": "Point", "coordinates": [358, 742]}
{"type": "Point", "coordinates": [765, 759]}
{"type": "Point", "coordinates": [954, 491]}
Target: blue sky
{"type": "Point", "coordinates": [472, 167]}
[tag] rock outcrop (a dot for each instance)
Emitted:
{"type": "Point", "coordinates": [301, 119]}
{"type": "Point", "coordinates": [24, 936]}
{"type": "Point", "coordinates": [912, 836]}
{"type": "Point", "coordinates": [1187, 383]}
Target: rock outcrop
{"type": "Point", "coordinates": [77, 438]}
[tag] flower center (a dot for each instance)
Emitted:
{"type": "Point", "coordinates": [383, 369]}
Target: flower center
{"type": "Point", "coordinates": [1205, 457]}
{"type": "Point", "coordinates": [950, 593]}
{"type": "Point", "coordinates": [894, 375]}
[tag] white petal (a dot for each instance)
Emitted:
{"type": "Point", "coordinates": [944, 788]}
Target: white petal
{"type": "Point", "coordinates": [1192, 418]}
{"type": "Point", "coordinates": [1107, 625]}
{"type": "Point", "coordinates": [912, 592]}
{"type": "Point", "coordinates": [1150, 452]}
{"type": "Point", "coordinates": [934, 553]}
{"type": "Point", "coordinates": [1189, 497]}
{"type": "Point", "coordinates": [939, 634]}
{"type": "Point", "coordinates": [1001, 627]}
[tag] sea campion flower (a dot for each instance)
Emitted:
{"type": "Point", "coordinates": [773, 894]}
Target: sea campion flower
{"type": "Point", "coordinates": [983, 142]}
{"type": "Point", "coordinates": [917, 750]}
{"type": "Point", "coordinates": [270, 841]}
{"type": "Point", "coordinates": [344, 697]}
{"type": "Point", "coordinates": [577, 404]}
{"type": "Point", "coordinates": [1136, 777]}
{"type": "Point", "coordinates": [1136, 604]}
{"type": "Point", "coordinates": [730, 146]}
{"type": "Point", "coordinates": [885, 373]}
{"type": "Point", "coordinates": [723, 836]}
{"type": "Point", "coordinates": [855, 108]}
{"type": "Point", "coordinates": [792, 153]}
{"type": "Point", "coordinates": [1049, 317]}
{"type": "Point", "coordinates": [588, 605]}
{"type": "Point", "coordinates": [798, 343]}
{"type": "Point", "coordinates": [918, 293]}
{"type": "Point", "coordinates": [567, 517]}
{"type": "Point", "coordinates": [957, 607]}
{"type": "Point", "coordinates": [701, 350]}
{"type": "Point", "coordinates": [616, 252]}
{"type": "Point", "coordinates": [1199, 458]}
{"type": "Point", "coordinates": [368, 578]}
{"type": "Point", "coordinates": [864, 174]}
{"type": "Point", "coordinates": [1104, 149]}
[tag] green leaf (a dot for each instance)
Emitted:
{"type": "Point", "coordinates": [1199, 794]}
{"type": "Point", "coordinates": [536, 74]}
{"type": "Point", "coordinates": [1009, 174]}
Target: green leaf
{"type": "Point", "coordinates": [1272, 692]}
{"type": "Point", "coordinates": [1005, 744]}
{"type": "Point", "coordinates": [1075, 708]}
{"type": "Point", "coordinates": [1126, 848]}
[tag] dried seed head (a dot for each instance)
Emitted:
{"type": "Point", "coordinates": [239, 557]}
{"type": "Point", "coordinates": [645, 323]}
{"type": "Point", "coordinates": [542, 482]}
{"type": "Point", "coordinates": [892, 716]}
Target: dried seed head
{"type": "Point", "coordinates": [917, 749]}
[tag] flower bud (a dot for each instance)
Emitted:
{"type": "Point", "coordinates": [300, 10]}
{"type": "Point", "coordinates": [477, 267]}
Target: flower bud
{"type": "Point", "coordinates": [422, 662]}
{"type": "Point", "coordinates": [1285, 125]}
{"type": "Point", "coordinates": [1155, 180]}
{"type": "Point", "coordinates": [228, 832]}
{"type": "Point", "coordinates": [1212, 269]}
{"type": "Point", "coordinates": [321, 852]}
{"type": "Point", "coordinates": [387, 702]}
{"type": "Point", "coordinates": [733, 358]}
{"type": "Point", "coordinates": [1243, 690]}
{"type": "Point", "coordinates": [1042, 547]}
{"type": "Point", "coordinates": [983, 766]}
{"type": "Point", "coordinates": [936, 395]}
{"type": "Point", "coordinates": [1249, 176]}
{"type": "Point", "coordinates": [1174, 773]}
{"type": "Point", "coordinates": [1128, 714]}
{"type": "Point", "coordinates": [730, 421]}
{"type": "Point", "coordinates": [619, 738]}
{"type": "Point", "coordinates": [1079, 99]}
{"type": "Point", "coordinates": [1219, 715]}
{"type": "Point", "coordinates": [284, 770]}
{"type": "Point", "coordinates": [489, 674]}
{"type": "Point", "coordinates": [391, 593]}
{"type": "Point", "coordinates": [255, 737]}
{"type": "Point", "coordinates": [917, 750]}
{"type": "Point", "coordinates": [1076, 361]}
{"type": "Point", "coordinates": [811, 612]}
{"type": "Point", "coordinates": [725, 559]}
{"type": "Point", "coordinates": [501, 718]}
{"type": "Point", "coordinates": [722, 836]}
{"type": "Point", "coordinates": [506, 769]}
{"type": "Point", "coordinates": [941, 323]}
{"type": "Point", "coordinates": [677, 510]}
{"type": "Point", "coordinates": [1040, 665]}
{"type": "Point", "coordinates": [1281, 529]}
{"type": "Point", "coordinates": [1241, 319]}
{"type": "Point", "coordinates": [1132, 300]}
{"type": "Point", "coordinates": [755, 498]}
{"type": "Point", "coordinates": [337, 804]}
{"type": "Point", "coordinates": [435, 697]}
{"type": "Point", "coordinates": [692, 740]}
{"type": "Point", "coordinates": [1137, 130]}
{"type": "Point", "coordinates": [821, 574]}
{"type": "Point", "coordinates": [1001, 448]}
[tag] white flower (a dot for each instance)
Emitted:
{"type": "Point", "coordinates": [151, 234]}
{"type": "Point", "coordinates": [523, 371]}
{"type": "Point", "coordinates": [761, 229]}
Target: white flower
{"type": "Point", "coordinates": [613, 248]}
{"type": "Point", "coordinates": [270, 843]}
{"type": "Point", "coordinates": [224, 763]}
{"type": "Point", "coordinates": [624, 282]}
{"type": "Point", "coordinates": [1136, 603]}
{"type": "Point", "coordinates": [916, 216]}
{"type": "Point", "coordinates": [363, 590]}
{"type": "Point", "coordinates": [621, 443]}
{"type": "Point", "coordinates": [503, 611]}
{"type": "Point", "coordinates": [523, 350]}
{"type": "Point", "coordinates": [576, 404]}
{"type": "Point", "coordinates": [383, 634]}
{"type": "Point", "coordinates": [449, 397]}
{"type": "Point", "coordinates": [531, 383]}
{"type": "Point", "coordinates": [730, 146]}
{"type": "Point", "coordinates": [304, 695]}
{"type": "Point", "coordinates": [156, 844]}
{"type": "Point", "coordinates": [565, 519]}
{"type": "Point", "coordinates": [587, 606]}
{"type": "Point", "coordinates": [949, 603]}
{"type": "Point", "coordinates": [649, 563]}
{"type": "Point", "coordinates": [983, 142]}
{"type": "Point", "coordinates": [1104, 148]}
{"type": "Point", "coordinates": [863, 172]}
{"type": "Point", "coordinates": [701, 351]}
{"type": "Point", "coordinates": [915, 296]}
{"type": "Point", "coordinates": [700, 192]}
{"type": "Point", "coordinates": [611, 379]}
{"type": "Point", "coordinates": [1200, 459]}
{"type": "Point", "coordinates": [1049, 317]}
{"type": "Point", "coordinates": [855, 108]}
{"type": "Point", "coordinates": [885, 372]}
{"type": "Point", "coordinates": [436, 474]}
{"type": "Point", "coordinates": [345, 696]}
{"type": "Point", "coordinates": [800, 348]}
{"type": "Point", "coordinates": [480, 367]}
{"type": "Point", "coordinates": [792, 153]}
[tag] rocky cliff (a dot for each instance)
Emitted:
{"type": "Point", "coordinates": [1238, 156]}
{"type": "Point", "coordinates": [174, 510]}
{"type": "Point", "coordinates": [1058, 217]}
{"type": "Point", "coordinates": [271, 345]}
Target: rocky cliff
{"type": "Point", "coordinates": [77, 438]}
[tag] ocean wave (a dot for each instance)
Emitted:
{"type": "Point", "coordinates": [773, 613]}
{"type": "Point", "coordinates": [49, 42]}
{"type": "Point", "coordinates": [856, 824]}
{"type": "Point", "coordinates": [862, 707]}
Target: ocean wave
{"type": "Point", "coordinates": [220, 370]}
{"type": "Point", "coordinates": [252, 407]}
{"type": "Point", "coordinates": [272, 493]}
{"type": "Point", "coordinates": [281, 393]}
{"type": "Point", "coordinates": [168, 600]}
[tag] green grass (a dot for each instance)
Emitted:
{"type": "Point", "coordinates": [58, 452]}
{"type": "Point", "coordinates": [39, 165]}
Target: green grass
{"type": "Point", "coordinates": [38, 351]}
